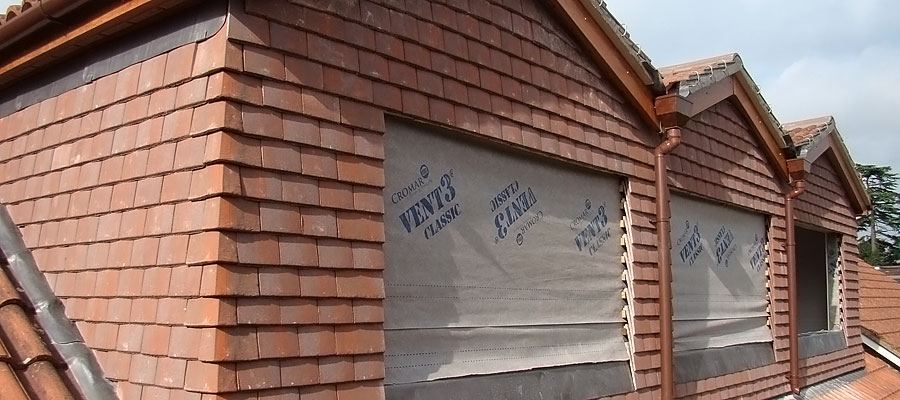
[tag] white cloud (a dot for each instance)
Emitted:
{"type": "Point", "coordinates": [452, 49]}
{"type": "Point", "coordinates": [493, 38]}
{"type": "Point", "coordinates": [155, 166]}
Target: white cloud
{"type": "Point", "coordinates": [860, 91]}
{"type": "Point", "coordinates": [6, 3]}
{"type": "Point", "coordinates": [810, 57]}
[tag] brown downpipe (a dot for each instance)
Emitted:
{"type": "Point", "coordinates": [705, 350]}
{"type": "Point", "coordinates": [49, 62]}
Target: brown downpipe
{"type": "Point", "coordinates": [664, 244]}
{"type": "Point", "coordinates": [793, 325]}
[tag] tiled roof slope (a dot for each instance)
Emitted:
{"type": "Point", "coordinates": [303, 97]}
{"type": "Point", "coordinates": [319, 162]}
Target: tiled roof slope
{"type": "Point", "coordinates": [879, 307]}
{"type": "Point", "coordinates": [693, 75]}
{"type": "Point", "coordinates": [29, 369]}
{"type": "Point", "coordinates": [880, 316]}
{"type": "Point", "coordinates": [878, 381]}
{"type": "Point", "coordinates": [805, 132]}
{"type": "Point", "coordinates": [815, 137]}
{"type": "Point", "coordinates": [42, 354]}
{"type": "Point", "coordinates": [15, 9]}
{"type": "Point", "coordinates": [687, 78]}
{"type": "Point", "coordinates": [893, 271]}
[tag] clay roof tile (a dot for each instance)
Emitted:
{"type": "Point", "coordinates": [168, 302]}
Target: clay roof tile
{"type": "Point", "coordinates": [880, 316]}
{"type": "Point", "coordinates": [879, 304]}
{"type": "Point", "coordinates": [21, 337]}
{"type": "Point", "coordinates": [12, 387]}
{"type": "Point", "coordinates": [804, 132]}
{"type": "Point", "coordinates": [32, 365]}
{"type": "Point", "coordinates": [14, 10]}
{"type": "Point", "coordinates": [8, 292]}
{"type": "Point", "coordinates": [878, 381]}
{"type": "Point", "coordinates": [45, 381]}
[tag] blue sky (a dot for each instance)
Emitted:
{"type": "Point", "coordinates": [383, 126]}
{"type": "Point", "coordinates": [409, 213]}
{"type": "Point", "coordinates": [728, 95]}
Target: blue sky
{"type": "Point", "coordinates": [810, 58]}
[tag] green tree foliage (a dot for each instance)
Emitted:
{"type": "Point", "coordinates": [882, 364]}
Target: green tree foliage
{"type": "Point", "coordinates": [883, 221]}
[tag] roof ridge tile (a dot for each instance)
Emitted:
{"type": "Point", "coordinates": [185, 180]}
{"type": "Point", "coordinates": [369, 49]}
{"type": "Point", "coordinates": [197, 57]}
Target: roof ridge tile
{"type": "Point", "coordinates": [18, 335]}
{"type": "Point", "coordinates": [12, 387]}
{"type": "Point", "coordinates": [9, 293]}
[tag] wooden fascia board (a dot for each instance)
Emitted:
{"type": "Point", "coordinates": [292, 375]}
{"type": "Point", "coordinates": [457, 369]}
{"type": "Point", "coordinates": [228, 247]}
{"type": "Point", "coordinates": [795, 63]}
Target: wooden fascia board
{"type": "Point", "coordinates": [118, 14]}
{"type": "Point", "coordinates": [759, 123]}
{"type": "Point", "coordinates": [850, 173]}
{"type": "Point", "coordinates": [610, 59]}
{"type": "Point", "coordinates": [847, 172]}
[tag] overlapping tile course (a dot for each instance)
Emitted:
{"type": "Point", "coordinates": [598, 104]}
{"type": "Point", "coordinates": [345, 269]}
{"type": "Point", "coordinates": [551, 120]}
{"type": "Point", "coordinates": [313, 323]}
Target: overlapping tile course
{"type": "Point", "coordinates": [111, 182]}
{"type": "Point", "coordinates": [329, 97]}
{"type": "Point", "coordinates": [826, 204]}
{"type": "Point", "coordinates": [213, 216]}
{"type": "Point", "coordinates": [878, 381]}
{"type": "Point", "coordinates": [720, 159]}
{"type": "Point", "coordinates": [14, 10]}
{"type": "Point", "coordinates": [879, 307]}
{"type": "Point", "coordinates": [879, 297]}
{"type": "Point", "coordinates": [30, 368]}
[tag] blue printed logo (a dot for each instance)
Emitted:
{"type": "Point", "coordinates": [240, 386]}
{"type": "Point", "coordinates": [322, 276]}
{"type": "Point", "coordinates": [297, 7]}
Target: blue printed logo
{"type": "Point", "coordinates": [509, 205]}
{"type": "Point", "coordinates": [689, 243]}
{"type": "Point", "coordinates": [436, 209]}
{"type": "Point", "coordinates": [724, 246]}
{"type": "Point", "coordinates": [413, 187]}
{"type": "Point", "coordinates": [520, 237]}
{"type": "Point", "coordinates": [595, 231]}
{"type": "Point", "coordinates": [757, 254]}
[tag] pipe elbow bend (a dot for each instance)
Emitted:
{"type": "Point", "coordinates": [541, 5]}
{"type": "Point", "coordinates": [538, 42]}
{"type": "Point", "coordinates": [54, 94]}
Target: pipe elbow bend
{"type": "Point", "coordinates": [799, 188]}
{"type": "Point", "coordinates": [673, 139]}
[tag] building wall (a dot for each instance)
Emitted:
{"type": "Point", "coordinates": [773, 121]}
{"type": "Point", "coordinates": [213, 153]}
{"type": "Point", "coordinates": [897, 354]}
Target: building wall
{"type": "Point", "coordinates": [116, 186]}
{"type": "Point", "coordinates": [217, 229]}
{"type": "Point", "coordinates": [826, 205]}
{"type": "Point", "coordinates": [212, 217]}
{"type": "Point", "coordinates": [328, 74]}
{"type": "Point", "coordinates": [721, 159]}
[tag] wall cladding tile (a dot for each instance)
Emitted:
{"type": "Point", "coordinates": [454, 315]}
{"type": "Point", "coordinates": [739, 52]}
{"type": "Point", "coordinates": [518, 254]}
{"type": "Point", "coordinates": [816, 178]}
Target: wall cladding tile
{"type": "Point", "coordinates": [225, 198]}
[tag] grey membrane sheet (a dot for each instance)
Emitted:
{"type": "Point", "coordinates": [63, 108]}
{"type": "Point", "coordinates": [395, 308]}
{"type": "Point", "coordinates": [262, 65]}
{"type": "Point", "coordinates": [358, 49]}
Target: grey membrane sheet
{"type": "Point", "coordinates": [496, 261]}
{"type": "Point", "coordinates": [718, 275]}
{"type": "Point", "coordinates": [583, 381]}
{"type": "Point", "coordinates": [822, 342]}
{"type": "Point", "coordinates": [695, 365]}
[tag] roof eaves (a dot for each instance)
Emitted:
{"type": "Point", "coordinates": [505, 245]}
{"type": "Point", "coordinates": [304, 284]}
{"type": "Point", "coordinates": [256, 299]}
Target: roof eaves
{"type": "Point", "coordinates": [807, 133]}
{"type": "Point", "coordinates": [638, 60]}
{"type": "Point", "coordinates": [873, 341]}
{"type": "Point", "coordinates": [812, 134]}
{"type": "Point", "coordinates": [696, 76]}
